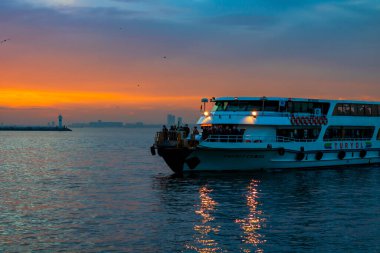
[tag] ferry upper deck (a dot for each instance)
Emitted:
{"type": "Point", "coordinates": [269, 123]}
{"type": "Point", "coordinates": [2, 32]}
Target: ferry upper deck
{"type": "Point", "coordinates": [297, 105]}
{"type": "Point", "coordinates": [236, 110]}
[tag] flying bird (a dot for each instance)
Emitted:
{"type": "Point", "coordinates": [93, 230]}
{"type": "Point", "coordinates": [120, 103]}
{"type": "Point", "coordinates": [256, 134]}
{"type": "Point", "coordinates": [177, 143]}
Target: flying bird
{"type": "Point", "coordinates": [164, 57]}
{"type": "Point", "coordinates": [1, 42]}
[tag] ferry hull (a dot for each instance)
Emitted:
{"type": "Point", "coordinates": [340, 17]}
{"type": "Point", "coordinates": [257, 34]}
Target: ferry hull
{"type": "Point", "coordinates": [251, 160]}
{"type": "Point", "coordinates": [174, 157]}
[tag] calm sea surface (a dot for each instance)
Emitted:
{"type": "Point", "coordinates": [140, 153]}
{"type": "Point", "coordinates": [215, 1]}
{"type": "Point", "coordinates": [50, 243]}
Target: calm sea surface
{"type": "Point", "coordinates": [101, 191]}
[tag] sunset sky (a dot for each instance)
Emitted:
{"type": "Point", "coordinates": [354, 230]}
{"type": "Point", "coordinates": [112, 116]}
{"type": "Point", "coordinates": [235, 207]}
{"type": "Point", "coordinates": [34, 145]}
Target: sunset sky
{"type": "Point", "coordinates": [138, 60]}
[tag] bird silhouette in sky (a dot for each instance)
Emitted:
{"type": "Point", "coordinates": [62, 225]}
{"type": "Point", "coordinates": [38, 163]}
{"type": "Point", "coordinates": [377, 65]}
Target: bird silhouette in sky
{"type": "Point", "coordinates": [3, 41]}
{"type": "Point", "coordinates": [164, 57]}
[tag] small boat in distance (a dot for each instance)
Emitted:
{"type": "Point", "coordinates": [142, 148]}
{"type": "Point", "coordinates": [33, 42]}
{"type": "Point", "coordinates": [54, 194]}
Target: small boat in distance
{"type": "Point", "coordinates": [258, 133]}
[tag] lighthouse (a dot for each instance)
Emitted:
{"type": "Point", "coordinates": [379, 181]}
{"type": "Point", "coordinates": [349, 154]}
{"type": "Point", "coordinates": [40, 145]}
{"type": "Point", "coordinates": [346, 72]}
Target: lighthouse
{"type": "Point", "coordinates": [60, 121]}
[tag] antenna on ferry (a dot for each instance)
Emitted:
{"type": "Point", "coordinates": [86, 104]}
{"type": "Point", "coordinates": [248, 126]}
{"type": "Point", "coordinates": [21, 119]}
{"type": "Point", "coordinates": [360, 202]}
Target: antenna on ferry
{"type": "Point", "coordinates": [204, 101]}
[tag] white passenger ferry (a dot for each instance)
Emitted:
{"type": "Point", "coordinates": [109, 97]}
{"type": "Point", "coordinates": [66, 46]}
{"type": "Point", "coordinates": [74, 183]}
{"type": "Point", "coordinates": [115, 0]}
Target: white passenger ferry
{"type": "Point", "coordinates": [258, 133]}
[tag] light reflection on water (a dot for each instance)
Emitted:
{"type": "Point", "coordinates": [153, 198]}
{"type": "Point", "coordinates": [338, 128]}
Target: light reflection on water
{"type": "Point", "coordinates": [203, 231]}
{"type": "Point", "coordinates": [252, 224]}
{"type": "Point", "coordinates": [206, 231]}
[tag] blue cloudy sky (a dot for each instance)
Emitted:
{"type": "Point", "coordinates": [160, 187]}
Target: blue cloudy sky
{"type": "Point", "coordinates": [327, 49]}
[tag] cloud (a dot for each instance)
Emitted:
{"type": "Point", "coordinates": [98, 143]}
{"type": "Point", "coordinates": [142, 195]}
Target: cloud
{"type": "Point", "coordinates": [249, 21]}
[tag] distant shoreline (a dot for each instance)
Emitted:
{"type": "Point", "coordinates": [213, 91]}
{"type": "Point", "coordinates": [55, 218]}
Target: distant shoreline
{"type": "Point", "coordinates": [34, 128]}
{"type": "Point", "coordinates": [145, 126]}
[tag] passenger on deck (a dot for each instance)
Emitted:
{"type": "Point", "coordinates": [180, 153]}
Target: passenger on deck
{"type": "Point", "coordinates": [165, 132]}
{"type": "Point", "coordinates": [187, 130]}
{"type": "Point", "coordinates": [206, 131]}
{"type": "Point", "coordinates": [195, 131]}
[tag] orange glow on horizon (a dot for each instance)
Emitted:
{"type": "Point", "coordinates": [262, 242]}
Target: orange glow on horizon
{"type": "Point", "coordinates": [39, 98]}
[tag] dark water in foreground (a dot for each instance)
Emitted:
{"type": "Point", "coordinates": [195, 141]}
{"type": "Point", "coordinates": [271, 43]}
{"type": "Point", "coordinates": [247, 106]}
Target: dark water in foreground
{"type": "Point", "coordinates": [101, 190]}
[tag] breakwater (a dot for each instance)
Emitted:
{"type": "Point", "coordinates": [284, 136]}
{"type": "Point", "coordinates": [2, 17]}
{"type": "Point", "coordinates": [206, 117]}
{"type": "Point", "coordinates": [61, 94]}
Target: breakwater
{"type": "Point", "coordinates": [33, 128]}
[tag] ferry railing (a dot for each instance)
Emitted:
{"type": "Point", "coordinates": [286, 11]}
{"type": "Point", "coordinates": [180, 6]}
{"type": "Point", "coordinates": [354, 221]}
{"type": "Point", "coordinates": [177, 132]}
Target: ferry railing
{"type": "Point", "coordinates": [169, 137]}
{"type": "Point", "coordinates": [174, 138]}
{"type": "Point", "coordinates": [348, 139]}
{"type": "Point", "coordinates": [265, 113]}
{"type": "Point", "coordinates": [224, 138]}
{"type": "Point", "coordinates": [253, 139]}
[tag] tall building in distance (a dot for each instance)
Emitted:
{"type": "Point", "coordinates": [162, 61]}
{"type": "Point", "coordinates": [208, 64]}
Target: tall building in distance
{"type": "Point", "coordinates": [179, 121]}
{"type": "Point", "coordinates": [170, 121]}
{"type": "Point", "coordinates": [60, 118]}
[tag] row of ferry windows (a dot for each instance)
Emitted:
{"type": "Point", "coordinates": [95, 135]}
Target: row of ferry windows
{"type": "Point", "coordinates": [272, 105]}
{"type": "Point", "coordinates": [356, 110]}
{"type": "Point", "coordinates": [332, 133]}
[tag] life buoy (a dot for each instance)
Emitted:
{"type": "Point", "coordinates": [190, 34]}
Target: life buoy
{"type": "Point", "coordinates": [281, 151]}
{"type": "Point", "coordinates": [302, 120]}
{"type": "Point", "coordinates": [293, 120]}
{"type": "Point", "coordinates": [318, 155]}
{"type": "Point", "coordinates": [306, 121]}
{"type": "Point", "coordinates": [362, 153]}
{"type": "Point", "coordinates": [341, 154]}
{"type": "Point", "coordinates": [300, 156]}
{"type": "Point", "coordinates": [298, 120]}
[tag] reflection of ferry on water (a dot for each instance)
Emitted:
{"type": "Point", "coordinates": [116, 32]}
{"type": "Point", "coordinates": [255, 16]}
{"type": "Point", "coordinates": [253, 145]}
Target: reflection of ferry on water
{"type": "Point", "coordinates": [253, 133]}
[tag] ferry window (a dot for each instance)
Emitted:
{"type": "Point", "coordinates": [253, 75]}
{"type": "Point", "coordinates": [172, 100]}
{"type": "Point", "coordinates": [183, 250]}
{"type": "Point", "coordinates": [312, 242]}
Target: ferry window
{"type": "Point", "coordinates": [304, 107]}
{"type": "Point", "coordinates": [307, 107]}
{"type": "Point", "coordinates": [338, 110]}
{"type": "Point", "coordinates": [324, 106]}
{"type": "Point", "coordinates": [233, 106]}
{"type": "Point", "coordinates": [310, 107]}
{"type": "Point", "coordinates": [297, 133]}
{"type": "Point", "coordinates": [348, 133]}
{"type": "Point", "coordinates": [354, 109]}
{"type": "Point", "coordinates": [221, 105]}
{"type": "Point", "coordinates": [368, 110]}
{"type": "Point", "coordinates": [271, 106]}
{"type": "Point", "coordinates": [290, 106]}
{"type": "Point", "coordinates": [296, 107]}
{"type": "Point", "coordinates": [254, 106]}
{"type": "Point", "coordinates": [378, 135]}
{"type": "Point", "coordinates": [346, 109]}
{"type": "Point", "coordinates": [243, 105]}
{"type": "Point", "coordinates": [375, 110]}
{"type": "Point", "coordinates": [361, 110]}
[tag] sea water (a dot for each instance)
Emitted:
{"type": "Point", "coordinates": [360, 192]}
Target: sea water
{"type": "Point", "coordinates": [100, 190]}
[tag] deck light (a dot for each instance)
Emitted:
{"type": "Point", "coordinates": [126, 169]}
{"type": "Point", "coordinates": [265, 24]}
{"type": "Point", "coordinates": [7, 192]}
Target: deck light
{"type": "Point", "coordinates": [206, 113]}
{"type": "Point", "coordinates": [254, 114]}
